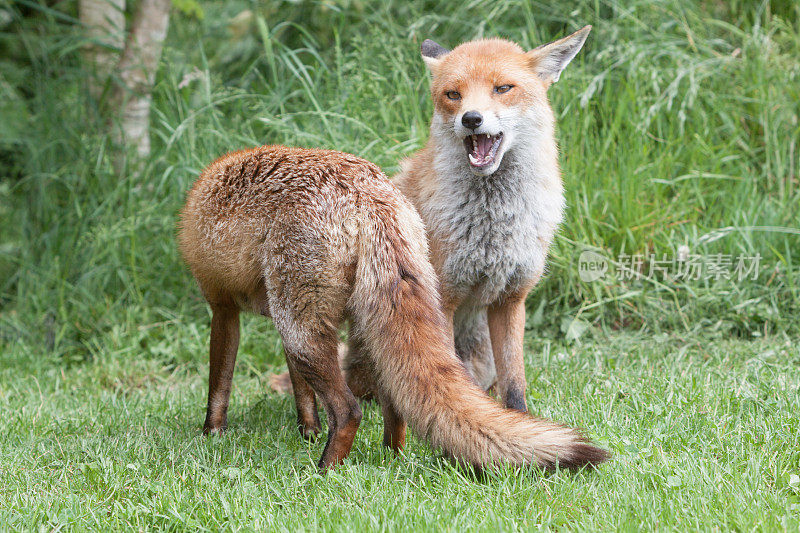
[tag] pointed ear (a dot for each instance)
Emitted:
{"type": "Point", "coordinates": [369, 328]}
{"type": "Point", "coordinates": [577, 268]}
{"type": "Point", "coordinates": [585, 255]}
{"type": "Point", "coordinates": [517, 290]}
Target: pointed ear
{"type": "Point", "coordinates": [548, 60]}
{"type": "Point", "coordinates": [432, 53]}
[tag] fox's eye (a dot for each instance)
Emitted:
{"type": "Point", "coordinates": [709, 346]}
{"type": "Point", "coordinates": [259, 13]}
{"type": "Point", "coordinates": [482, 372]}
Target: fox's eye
{"type": "Point", "coordinates": [453, 95]}
{"type": "Point", "coordinates": [500, 89]}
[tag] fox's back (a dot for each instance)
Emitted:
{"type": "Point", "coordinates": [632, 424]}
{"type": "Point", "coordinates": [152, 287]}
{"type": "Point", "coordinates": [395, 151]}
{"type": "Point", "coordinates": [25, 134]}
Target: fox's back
{"type": "Point", "coordinates": [249, 205]}
{"type": "Point", "coordinates": [262, 182]}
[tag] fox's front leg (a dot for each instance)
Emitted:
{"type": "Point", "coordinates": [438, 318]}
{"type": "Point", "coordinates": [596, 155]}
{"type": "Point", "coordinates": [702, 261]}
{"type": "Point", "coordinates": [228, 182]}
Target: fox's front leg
{"type": "Point", "coordinates": [506, 329]}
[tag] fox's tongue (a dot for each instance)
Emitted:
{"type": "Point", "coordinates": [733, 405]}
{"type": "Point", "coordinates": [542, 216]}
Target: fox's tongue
{"type": "Point", "coordinates": [484, 144]}
{"type": "Point", "coordinates": [481, 148]}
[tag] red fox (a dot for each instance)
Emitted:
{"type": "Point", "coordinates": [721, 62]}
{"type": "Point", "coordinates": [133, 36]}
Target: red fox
{"type": "Point", "coordinates": [311, 237]}
{"type": "Point", "coordinates": [488, 188]}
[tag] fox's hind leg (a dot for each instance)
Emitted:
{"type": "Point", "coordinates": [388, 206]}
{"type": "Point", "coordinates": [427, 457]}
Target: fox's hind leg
{"type": "Point", "coordinates": [359, 371]}
{"type": "Point", "coordinates": [317, 363]}
{"type": "Point", "coordinates": [394, 427]}
{"type": "Point", "coordinates": [222, 358]}
{"type": "Point", "coordinates": [307, 317]}
{"type": "Point", "coordinates": [358, 368]}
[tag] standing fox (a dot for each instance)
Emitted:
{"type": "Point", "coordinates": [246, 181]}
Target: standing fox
{"type": "Point", "coordinates": [488, 188]}
{"type": "Point", "coordinates": [310, 237]}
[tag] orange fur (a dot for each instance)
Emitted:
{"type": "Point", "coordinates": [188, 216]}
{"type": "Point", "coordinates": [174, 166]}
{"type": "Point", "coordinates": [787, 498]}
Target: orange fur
{"type": "Point", "coordinates": [310, 237]}
{"type": "Point", "coordinates": [490, 222]}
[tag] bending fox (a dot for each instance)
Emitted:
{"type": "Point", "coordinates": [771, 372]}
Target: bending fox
{"type": "Point", "coordinates": [310, 237]}
{"type": "Point", "coordinates": [488, 188]}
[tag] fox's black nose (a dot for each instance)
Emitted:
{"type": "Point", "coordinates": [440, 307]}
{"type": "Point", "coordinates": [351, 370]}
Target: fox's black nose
{"type": "Point", "coordinates": [472, 119]}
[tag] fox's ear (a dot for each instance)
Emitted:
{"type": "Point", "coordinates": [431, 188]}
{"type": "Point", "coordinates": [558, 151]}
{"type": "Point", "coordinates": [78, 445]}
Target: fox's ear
{"type": "Point", "coordinates": [432, 53]}
{"type": "Point", "coordinates": [548, 60]}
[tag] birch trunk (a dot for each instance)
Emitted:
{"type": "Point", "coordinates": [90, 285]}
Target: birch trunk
{"type": "Point", "coordinates": [105, 27]}
{"type": "Point", "coordinates": [137, 72]}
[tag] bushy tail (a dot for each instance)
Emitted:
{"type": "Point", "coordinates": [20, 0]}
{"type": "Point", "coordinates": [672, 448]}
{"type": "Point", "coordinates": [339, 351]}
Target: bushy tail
{"type": "Point", "coordinates": [396, 312]}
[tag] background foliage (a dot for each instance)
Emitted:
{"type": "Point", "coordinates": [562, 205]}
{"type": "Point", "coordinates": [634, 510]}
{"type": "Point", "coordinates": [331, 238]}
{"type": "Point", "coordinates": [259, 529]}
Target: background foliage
{"type": "Point", "coordinates": [678, 125]}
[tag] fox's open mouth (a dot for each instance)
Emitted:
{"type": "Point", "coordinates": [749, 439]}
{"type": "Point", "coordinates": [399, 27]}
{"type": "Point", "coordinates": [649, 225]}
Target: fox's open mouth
{"type": "Point", "coordinates": [482, 148]}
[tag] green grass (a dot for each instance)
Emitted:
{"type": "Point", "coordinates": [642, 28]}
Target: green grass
{"type": "Point", "coordinates": [705, 436]}
{"type": "Point", "coordinates": [678, 125]}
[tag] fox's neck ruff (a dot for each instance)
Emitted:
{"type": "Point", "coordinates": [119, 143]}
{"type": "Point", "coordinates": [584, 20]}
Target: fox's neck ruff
{"type": "Point", "coordinates": [528, 172]}
{"type": "Point", "coordinates": [497, 227]}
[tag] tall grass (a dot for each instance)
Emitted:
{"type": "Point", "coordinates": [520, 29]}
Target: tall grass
{"type": "Point", "coordinates": [678, 125]}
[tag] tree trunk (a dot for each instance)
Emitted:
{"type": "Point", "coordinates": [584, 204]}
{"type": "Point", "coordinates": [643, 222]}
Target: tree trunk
{"type": "Point", "coordinates": [137, 73]}
{"type": "Point", "coordinates": [105, 27]}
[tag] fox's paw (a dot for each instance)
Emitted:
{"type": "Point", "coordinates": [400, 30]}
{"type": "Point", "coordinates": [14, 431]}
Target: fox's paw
{"type": "Point", "coordinates": [214, 429]}
{"type": "Point", "coordinates": [309, 432]}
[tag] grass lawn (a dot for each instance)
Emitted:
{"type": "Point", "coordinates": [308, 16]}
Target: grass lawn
{"type": "Point", "coordinates": [679, 129]}
{"type": "Point", "coordinates": [704, 435]}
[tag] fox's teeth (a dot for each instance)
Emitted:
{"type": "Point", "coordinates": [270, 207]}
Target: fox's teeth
{"type": "Point", "coordinates": [495, 146]}
{"type": "Point", "coordinates": [478, 156]}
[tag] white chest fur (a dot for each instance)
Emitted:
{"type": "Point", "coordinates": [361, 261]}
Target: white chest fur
{"type": "Point", "coordinates": [495, 229]}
